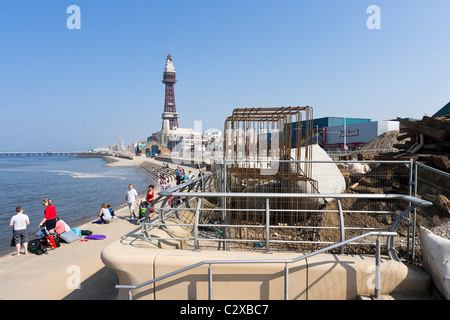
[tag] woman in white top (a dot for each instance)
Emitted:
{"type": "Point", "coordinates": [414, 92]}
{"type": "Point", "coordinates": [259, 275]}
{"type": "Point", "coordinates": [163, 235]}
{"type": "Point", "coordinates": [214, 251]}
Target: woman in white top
{"type": "Point", "coordinates": [162, 183]}
{"type": "Point", "coordinates": [104, 214]}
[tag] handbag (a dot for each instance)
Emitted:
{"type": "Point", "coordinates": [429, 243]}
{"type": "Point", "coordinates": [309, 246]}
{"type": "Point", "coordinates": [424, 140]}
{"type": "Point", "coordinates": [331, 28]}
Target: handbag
{"type": "Point", "coordinates": [52, 241]}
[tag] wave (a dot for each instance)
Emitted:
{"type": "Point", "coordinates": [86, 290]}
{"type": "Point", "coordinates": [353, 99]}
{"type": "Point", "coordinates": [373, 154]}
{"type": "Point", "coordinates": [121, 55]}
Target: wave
{"type": "Point", "coordinates": [76, 175]}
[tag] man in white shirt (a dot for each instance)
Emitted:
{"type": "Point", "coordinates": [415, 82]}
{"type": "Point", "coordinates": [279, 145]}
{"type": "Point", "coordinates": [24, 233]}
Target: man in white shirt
{"type": "Point", "coordinates": [131, 198]}
{"type": "Point", "coordinates": [20, 222]}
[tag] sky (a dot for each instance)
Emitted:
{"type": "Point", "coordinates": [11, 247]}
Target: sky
{"type": "Point", "coordinates": [67, 89]}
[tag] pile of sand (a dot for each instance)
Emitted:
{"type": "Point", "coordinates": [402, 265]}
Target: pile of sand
{"type": "Point", "coordinates": [384, 141]}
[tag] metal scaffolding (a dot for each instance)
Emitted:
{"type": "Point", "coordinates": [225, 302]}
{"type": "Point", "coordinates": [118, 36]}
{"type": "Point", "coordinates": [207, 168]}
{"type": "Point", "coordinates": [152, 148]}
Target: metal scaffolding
{"type": "Point", "coordinates": [259, 146]}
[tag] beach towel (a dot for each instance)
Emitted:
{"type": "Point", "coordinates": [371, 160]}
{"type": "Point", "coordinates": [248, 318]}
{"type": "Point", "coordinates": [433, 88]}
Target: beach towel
{"type": "Point", "coordinates": [77, 231]}
{"type": "Point", "coordinates": [95, 237]}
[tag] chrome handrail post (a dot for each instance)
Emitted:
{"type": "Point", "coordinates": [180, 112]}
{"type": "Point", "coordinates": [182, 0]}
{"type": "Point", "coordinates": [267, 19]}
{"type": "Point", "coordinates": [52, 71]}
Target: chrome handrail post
{"type": "Point", "coordinates": [267, 227]}
{"type": "Point", "coordinates": [341, 223]}
{"type": "Point", "coordinates": [210, 279]}
{"type": "Point", "coordinates": [377, 269]}
{"type": "Point", "coordinates": [197, 214]}
{"type": "Point", "coordinates": [286, 282]}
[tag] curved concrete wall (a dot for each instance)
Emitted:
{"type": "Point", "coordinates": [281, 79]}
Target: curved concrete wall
{"type": "Point", "coordinates": [325, 276]}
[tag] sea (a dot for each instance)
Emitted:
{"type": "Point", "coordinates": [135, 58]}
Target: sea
{"type": "Point", "coordinates": [76, 186]}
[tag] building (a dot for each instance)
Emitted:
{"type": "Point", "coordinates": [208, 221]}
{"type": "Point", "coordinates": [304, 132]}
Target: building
{"type": "Point", "coordinates": [152, 148]}
{"type": "Point", "coordinates": [355, 135]}
{"type": "Point", "coordinates": [443, 111]}
{"type": "Point", "coordinates": [319, 124]}
{"type": "Point", "coordinates": [170, 109]}
{"type": "Point", "coordinates": [183, 140]}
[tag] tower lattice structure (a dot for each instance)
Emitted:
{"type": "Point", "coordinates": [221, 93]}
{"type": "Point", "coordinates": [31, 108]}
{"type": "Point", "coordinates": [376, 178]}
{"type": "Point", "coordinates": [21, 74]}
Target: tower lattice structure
{"type": "Point", "coordinates": [170, 109]}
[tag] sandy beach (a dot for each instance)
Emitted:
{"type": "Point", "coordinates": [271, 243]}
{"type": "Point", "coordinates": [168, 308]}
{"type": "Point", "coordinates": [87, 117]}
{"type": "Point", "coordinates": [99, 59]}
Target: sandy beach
{"type": "Point", "coordinates": [73, 271]}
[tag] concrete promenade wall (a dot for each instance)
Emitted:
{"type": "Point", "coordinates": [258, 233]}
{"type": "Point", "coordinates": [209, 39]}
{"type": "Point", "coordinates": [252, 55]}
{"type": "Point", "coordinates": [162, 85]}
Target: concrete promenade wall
{"type": "Point", "coordinates": [325, 276]}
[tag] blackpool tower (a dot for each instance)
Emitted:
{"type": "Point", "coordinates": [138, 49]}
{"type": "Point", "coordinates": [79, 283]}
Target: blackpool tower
{"type": "Point", "coordinates": [169, 79]}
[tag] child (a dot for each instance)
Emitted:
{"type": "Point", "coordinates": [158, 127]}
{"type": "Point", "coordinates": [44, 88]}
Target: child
{"type": "Point", "coordinates": [20, 222]}
{"type": "Point", "coordinates": [111, 211]}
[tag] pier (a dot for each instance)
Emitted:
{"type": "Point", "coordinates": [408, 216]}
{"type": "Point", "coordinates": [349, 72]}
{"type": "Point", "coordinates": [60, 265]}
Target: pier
{"type": "Point", "coordinates": [47, 153]}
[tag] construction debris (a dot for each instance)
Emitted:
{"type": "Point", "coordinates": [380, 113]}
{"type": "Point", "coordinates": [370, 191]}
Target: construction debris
{"type": "Point", "coordinates": [429, 135]}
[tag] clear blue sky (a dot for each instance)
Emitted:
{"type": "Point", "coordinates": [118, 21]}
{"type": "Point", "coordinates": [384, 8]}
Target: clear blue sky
{"type": "Point", "coordinates": [70, 90]}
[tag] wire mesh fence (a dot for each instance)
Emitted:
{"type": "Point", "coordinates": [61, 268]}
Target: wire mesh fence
{"type": "Point", "coordinates": [433, 185]}
{"type": "Point", "coordinates": [314, 220]}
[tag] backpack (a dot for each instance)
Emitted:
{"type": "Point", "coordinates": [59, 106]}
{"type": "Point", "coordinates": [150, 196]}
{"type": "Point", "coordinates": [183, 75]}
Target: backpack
{"type": "Point", "coordinates": [86, 232]}
{"type": "Point", "coordinates": [35, 246]}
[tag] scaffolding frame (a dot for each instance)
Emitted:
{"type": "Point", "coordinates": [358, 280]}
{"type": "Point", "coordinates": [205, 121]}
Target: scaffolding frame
{"type": "Point", "coordinates": [255, 141]}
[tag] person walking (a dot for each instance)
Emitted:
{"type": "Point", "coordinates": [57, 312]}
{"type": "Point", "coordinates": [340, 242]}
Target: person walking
{"type": "Point", "coordinates": [162, 183]}
{"type": "Point", "coordinates": [131, 198]}
{"type": "Point", "coordinates": [178, 175]}
{"type": "Point", "coordinates": [150, 194]}
{"type": "Point", "coordinates": [19, 222]}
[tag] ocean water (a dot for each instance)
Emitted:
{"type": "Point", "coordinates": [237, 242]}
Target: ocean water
{"type": "Point", "coordinates": [76, 186]}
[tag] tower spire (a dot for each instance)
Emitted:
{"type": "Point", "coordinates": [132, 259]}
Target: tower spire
{"type": "Point", "coordinates": [169, 79]}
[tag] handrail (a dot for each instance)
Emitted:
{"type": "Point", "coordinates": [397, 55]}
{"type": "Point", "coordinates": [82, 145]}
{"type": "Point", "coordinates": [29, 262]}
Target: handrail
{"type": "Point", "coordinates": [390, 234]}
{"type": "Point", "coordinates": [285, 261]}
{"type": "Point", "coordinates": [414, 200]}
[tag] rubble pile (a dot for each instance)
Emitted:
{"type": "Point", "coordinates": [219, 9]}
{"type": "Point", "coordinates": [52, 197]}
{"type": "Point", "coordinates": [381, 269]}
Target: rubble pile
{"type": "Point", "coordinates": [427, 139]}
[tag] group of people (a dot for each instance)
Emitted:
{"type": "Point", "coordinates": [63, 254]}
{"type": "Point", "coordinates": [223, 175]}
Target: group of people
{"type": "Point", "coordinates": [106, 213]}
{"type": "Point", "coordinates": [132, 198]}
{"type": "Point", "coordinates": [182, 177]}
{"type": "Point", "coordinates": [20, 221]}
{"type": "Point", "coordinates": [53, 224]}
{"type": "Point", "coordinates": [164, 182]}
{"type": "Point", "coordinates": [165, 165]}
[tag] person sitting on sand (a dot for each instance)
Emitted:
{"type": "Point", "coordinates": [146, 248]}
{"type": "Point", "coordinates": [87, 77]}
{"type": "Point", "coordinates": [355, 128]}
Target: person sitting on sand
{"type": "Point", "coordinates": [104, 214]}
{"type": "Point", "coordinates": [20, 222]}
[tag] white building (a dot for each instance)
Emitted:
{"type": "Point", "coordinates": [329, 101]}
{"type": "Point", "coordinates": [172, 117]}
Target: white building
{"type": "Point", "coordinates": [182, 140]}
{"type": "Point", "coordinates": [356, 134]}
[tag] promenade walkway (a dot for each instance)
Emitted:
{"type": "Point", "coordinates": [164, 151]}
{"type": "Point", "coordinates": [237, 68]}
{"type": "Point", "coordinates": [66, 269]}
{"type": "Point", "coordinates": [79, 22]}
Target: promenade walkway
{"type": "Point", "coordinates": [54, 275]}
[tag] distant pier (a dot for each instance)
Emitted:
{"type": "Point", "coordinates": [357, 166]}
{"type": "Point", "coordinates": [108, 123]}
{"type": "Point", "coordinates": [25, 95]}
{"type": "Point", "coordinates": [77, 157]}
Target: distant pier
{"type": "Point", "coordinates": [52, 153]}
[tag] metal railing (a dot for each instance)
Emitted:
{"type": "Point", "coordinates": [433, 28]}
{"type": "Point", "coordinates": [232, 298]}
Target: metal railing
{"type": "Point", "coordinates": [164, 210]}
{"type": "Point", "coordinates": [430, 184]}
{"type": "Point", "coordinates": [414, 202]}
{"type": "Point", "coordinates": [264, 261]}
{"type": "Point", "coordinates": [185, 191]}
{"type": "Point", "coordinates": [390, 234]}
